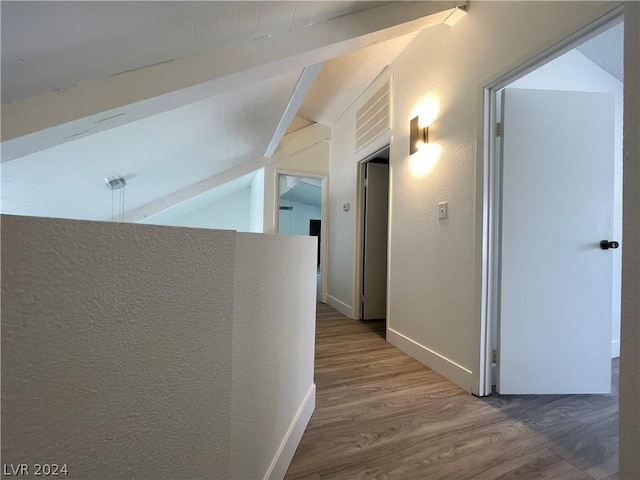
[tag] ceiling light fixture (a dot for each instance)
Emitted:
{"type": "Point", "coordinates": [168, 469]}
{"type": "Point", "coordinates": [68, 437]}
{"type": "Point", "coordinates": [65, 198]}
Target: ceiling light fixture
{"type": "Point", "coordinates": [117, 184]}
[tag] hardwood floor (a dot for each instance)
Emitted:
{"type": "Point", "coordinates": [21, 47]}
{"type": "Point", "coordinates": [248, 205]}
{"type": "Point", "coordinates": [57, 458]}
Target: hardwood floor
{"type": "Point", "coordinates": [382, 415]}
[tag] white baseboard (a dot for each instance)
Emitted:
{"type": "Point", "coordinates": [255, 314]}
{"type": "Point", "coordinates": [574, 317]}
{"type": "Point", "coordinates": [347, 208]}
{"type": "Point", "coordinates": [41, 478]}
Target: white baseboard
{"type": "Point", "coordinates": [284, 455]}
{"type": "Point", "coordinates": [342, 307]}
{"type": "Point", "coordinates": [445, 367]}
{"type": "Point", "coordinates": [615, 348]}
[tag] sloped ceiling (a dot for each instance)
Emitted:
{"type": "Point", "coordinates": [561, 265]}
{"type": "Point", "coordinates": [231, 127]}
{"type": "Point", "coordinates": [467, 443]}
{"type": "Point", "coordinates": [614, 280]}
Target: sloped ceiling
{"type": "Point", "coordinates": [307, 191]}
{"type": "Point", "coordinates": [342, 79]}
{"type": "Point", "coordinates": [173, 215]}
{"type": "Point", "coordinates": [606, 50]}
{"type": "Point", "coordinates": [60, 50]}
{"type": "Point", "coordinates": [56, 45]}
{"type": "Point", "coordinates": [158, 155]}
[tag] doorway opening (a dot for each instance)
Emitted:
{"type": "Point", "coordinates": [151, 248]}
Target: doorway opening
{"type": "Point", "coordinates": [373, 219]}
{"type": "Point", "coordinates": [539, 214]}
{"type": "Point", "coordinates": [301, 200]}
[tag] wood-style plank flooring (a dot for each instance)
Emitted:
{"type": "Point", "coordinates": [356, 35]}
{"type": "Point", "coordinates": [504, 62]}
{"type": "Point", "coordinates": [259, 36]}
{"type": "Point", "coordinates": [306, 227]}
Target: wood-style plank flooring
{"type": "Point", "coordinates": [382, 415]}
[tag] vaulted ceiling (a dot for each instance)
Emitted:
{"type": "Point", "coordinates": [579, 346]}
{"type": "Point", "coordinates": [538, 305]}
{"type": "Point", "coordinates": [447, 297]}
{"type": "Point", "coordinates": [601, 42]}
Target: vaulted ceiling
{"type": "Point", "coordinates": [168, 94]}
{"type": "Point", "coordinates": [605, 50]}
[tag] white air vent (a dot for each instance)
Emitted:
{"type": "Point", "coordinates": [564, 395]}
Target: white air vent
{"type": "Point", "coordinates": [372, 119]}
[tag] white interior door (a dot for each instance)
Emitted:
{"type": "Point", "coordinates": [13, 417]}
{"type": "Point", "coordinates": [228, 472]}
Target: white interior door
{"type": "Point", "coordinates": [376, 213]}
{"type": "Point", "coordinates": [554, 326]}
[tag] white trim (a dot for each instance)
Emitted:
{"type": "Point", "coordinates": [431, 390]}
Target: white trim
{"type": "Point", "coordinates": [615, 348]}
{"type": "Point", "coordinates": [359, 236]}
{"type": "Point", "coordinates": [287, 449]}
{"type": "Point", "coordinates": [444, 366]}
{"type": "Point", "coordinates": [359, 240]}
{"type": "Point", "coordinates": [489, 209]}
{"type": "Point", "coordinates": [389, 230]}
{"type": "Point", "coordinates": [324, 234]}
{"type": "Point", "coordinates": [300, 91]}
{"type": "Point", "coordinates": [342, 307]}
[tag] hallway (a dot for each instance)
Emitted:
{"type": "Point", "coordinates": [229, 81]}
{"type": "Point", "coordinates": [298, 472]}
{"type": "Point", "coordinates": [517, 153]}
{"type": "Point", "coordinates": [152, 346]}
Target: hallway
{"type": "Point", "coordinates": [381, 414]}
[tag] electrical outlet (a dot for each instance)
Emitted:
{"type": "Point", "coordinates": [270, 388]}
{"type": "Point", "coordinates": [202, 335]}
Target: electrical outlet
{"type": "Point", "coordinates": [442, 210]}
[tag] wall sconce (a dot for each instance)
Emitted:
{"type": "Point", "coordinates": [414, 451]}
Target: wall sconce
{"type": "Point", "coordinates": [417, 135]}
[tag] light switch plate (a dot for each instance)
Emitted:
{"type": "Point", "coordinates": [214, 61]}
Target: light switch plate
{"type": "Point", "coordinates": [443, 210]}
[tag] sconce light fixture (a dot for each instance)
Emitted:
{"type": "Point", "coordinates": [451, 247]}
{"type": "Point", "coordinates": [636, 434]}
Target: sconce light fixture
{"type": "Point", "coordinates": [417, 135]}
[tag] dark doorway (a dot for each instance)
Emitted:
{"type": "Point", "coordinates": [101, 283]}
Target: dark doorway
{"type": "Point", "coordinates": [315, 226]}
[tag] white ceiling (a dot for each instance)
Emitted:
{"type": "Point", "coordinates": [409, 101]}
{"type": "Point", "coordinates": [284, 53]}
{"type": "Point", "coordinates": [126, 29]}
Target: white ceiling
{"type": "Point", "coordinates": [157, 156]}
{"type": "Point", "coordinates": [606, 50]}
{"type": "Point", "coordinates": [307, 191]}
{"type": "Point", "coordinates": [198, 202]}
{"type": "Point", "coordinates": [56, 45]}
{"type": "Point", "coordinates": [49, 46]}
{"type": "Point", "coordinates": [342, 79]}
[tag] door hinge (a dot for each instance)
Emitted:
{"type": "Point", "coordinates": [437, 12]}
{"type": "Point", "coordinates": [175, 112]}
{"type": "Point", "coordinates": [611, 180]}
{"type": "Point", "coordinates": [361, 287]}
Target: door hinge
{"type": "Point", "coordinates": [366, 182]}
{"type": "Point", "coordinates": [362, 298]}
{"type": "Point", "coordinates": [499, 129]}
{"type": "Point", "coordinates": [494, 356]}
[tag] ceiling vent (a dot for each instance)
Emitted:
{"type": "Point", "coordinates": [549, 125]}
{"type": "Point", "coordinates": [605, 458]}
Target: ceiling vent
{"type": "Point", "coordinates": [372, 119]}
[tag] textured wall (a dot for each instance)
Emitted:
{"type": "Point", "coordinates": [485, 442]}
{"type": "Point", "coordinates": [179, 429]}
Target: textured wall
{"type": "Point", "coordinates": [116, 341]}
{"type": "Point", "coordinates": [274, 307]}
{"type": "Point", "coordinates": [630, 334]}
{"type": "Point", "coordinates": [433, 265]}
{"type": "Point", "coordinates": [342, 189]}
{"type": "Point", "coordinates": [143, 351]}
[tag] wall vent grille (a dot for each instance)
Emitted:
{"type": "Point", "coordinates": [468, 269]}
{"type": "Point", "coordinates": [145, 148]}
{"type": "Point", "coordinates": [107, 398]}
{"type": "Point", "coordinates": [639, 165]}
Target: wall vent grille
{"type": "Point", "coordinates": [372, 119]}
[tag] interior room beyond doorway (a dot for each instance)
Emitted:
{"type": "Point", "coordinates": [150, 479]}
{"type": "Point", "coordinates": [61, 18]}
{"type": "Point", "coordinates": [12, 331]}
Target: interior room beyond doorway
{"type": "Point", "coordinates": [300, 212]}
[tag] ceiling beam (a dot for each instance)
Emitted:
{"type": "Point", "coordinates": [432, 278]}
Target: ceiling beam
{"type": "Point", "coordinates": [46, 120]}
{"type": "Point", "coordinates": [300, 91]}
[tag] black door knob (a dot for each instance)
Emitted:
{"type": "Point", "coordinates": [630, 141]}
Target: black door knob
{"type": "Point", "coordinates": [607, 244]}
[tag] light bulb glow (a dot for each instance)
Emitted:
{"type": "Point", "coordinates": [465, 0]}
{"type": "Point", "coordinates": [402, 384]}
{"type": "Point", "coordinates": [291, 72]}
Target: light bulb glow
{"type": "Point", "coordinates": [428, 110]}
{"type": "Point", "coordinates": [425, 159]}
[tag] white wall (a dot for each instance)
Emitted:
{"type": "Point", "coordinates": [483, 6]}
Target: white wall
{"type": "Point", "coordinates": [273, 393]}
{"type": "Point", "coordinates": [114, 338]}
{"type": "Point", "coordinates": [142, 351]}
{"type": "Point", "coordinates": [629, 390]}
{"type": "Point", "coordinates": [309, 155]}
{"type": "Point", "coordinates": [342, 189]}
{"type": "Point", "coordinates": [304, 152]}
{"type": "Point", "coordinates": [434, 266]}
{"type": "Point", "coordinates": [296, 221]}
{"type": "Point", "coordinates": [574, 71]}
{"type": "Point", "coordinates": [256, 206]}
{"type": "Point", "coordinates": [232, 212]}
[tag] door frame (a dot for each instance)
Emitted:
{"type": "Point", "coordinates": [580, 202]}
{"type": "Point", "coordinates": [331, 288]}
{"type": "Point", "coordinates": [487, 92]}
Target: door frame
{"type": "Point", "coordinates": [359, 237]}
{"type": "Point", "coordinates": [324, 218]}
{"type": "Point", "coordinates": [490, 187]}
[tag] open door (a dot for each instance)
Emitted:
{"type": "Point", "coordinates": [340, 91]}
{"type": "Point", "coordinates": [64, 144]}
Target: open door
{"type": "Point", "coordinates": [376, 213]}
{"type": "Point", "coordinates": [554, 325]}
